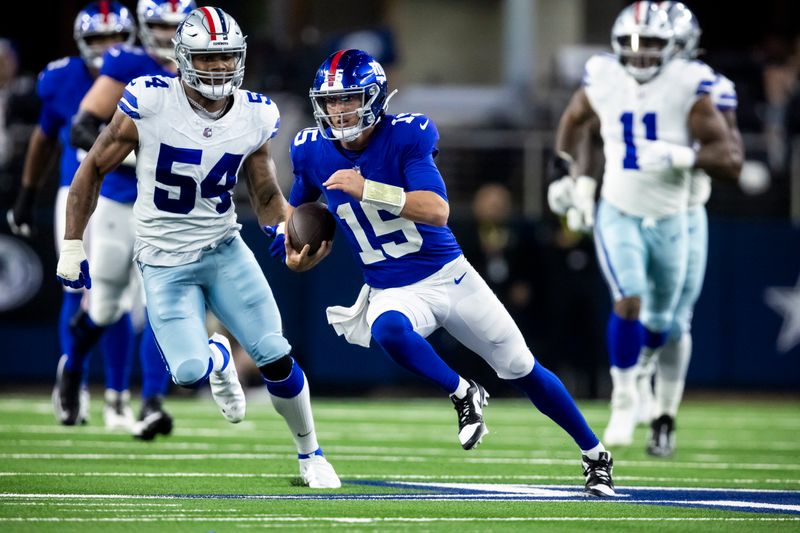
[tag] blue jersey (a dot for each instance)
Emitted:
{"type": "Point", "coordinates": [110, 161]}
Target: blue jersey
{"type": "Point", "coordinates": [61, 87]}
{"type": "Point", "coordinates": [392, 251]}
{"type": "Point", "coordinates": [124, 63]}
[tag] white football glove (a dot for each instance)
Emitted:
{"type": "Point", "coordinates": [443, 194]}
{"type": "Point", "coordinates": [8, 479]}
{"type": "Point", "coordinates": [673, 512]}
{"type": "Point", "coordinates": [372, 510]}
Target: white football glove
{"type": "Point", "coordinates": [559, 195]}
{"type": "Point", "coordinates": [658, 156]}
{"type": "Point", "coordinates": [73, 267]}
{"type": "Point", "coordinates": [580, 215]}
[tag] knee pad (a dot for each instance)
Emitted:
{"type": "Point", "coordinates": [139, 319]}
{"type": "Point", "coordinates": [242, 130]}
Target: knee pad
{"type": "Point", "coordinates": [192, 372]}
{"type": "Point", "coordinates": [390, 325]}
{"type": "Point", "coordinates": [277, 370]}
{"type": "Point", "coordinates": [269, 349]}
{"type": "Point", "coordinates": [512, 362]}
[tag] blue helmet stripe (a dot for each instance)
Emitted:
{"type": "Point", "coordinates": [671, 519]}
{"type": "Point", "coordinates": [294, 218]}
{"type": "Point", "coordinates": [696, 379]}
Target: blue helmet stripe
{"type": "Point", "coordinates": [222, 23]}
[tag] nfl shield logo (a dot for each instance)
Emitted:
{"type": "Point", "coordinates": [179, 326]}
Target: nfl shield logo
{"type": "Point", "coordinates": [207, 133]}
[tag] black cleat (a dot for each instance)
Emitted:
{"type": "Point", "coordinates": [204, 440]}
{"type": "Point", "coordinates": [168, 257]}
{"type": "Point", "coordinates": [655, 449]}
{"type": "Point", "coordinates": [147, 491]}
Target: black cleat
{"type": "Point", "coordinates": [153, 420]}
{"type": "Point", "coordinates": [662, 437]}
{"type": "Point", "coordinates": [598, 475]}
{"type": "Point", "coordinates": [70, 398]}
{"type": "Point", "coordinates": [471, 428]}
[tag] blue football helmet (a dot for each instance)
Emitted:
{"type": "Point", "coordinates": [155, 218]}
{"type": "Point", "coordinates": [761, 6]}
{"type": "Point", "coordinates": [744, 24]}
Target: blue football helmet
{"type": "Point", "coordinates": [158, 21]}
{"type": "Point", "coordinates": [643, 40]}
{"type": "Point", "coordinates": [102, 19]}
{"type": "Point", "coordinates": [687, 29]}
{"type": "Point", "coordinates": [349, 73]}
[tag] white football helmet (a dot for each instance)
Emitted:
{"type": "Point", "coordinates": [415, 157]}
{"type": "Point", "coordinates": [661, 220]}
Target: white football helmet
{"type": "Point", "coordinates": [102, 19]}
{"type": "Point", "coordinates": [209, 30]}
{"type": "Point", "coordinates": [158, 20]}
{"type": "Point", "coordinates": [686, 28]}
{"type": "Point", "coordinates": [643, 39]}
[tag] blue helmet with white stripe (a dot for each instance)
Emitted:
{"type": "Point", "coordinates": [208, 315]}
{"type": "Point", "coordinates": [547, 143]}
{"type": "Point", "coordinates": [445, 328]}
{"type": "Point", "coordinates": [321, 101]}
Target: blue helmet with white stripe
{"type": "Point", "coordinates": [686, 28]}
{"type": "Point", "coordinates": [209, 30]}
{"type": "Point", "coordinates": [102, 19]}
{"type": "Point", "coordinates": [643, 39]}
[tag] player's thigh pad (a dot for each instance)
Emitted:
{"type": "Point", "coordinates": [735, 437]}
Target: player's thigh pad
{"type": "Point", "coordinates": [60, 225]}
{"type": "Point", "coordinates": [177, 314]}
{"type": "Point", "coordinates": [418, 302]}
{"type": "Point", "coordinates": [695, 270]}
{"type": "Point", "coordinates": [477, 319]}
{"type": "Point", "coordinates": [111, 256]}
{"type": "Point", "coordinates": [240, 296]}
{"type": "Point", "coordinates": [621, 251]}
{"type": "Point", "coordinates": [668, 250]}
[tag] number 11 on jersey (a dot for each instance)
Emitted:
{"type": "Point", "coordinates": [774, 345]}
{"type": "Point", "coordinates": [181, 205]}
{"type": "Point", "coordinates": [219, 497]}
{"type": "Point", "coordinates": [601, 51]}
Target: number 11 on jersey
{"type": "Point", "coordinates": [649, 120]}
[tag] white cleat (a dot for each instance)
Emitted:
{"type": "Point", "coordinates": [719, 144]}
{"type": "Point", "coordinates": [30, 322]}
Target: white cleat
{"type": "Point", "coordinates": [225, 386]}
{"type": "Point", "coordinates": [317, 472]}
{"type": "Point", "coordinates": [621, 425]}
{"type": "Point", "coordinates": [117, 412]}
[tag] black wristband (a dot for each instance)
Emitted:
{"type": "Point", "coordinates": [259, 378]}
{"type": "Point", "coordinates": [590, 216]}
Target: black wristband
{"type": "Point", "coordinates": [559, 167]}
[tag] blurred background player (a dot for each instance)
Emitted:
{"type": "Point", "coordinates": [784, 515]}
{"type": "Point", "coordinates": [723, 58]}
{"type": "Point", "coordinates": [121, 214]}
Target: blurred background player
{"type": "Point", "coordinates": [117, 282]}
{"type": "Point", "coordinates": [380, 181]}
{"type": "Point", "coordinates": [188, 245]}
{"type": "Point", "coordinates": [61, 87]}
{"type": "Point", "coordinates": [671, 362]}
{"type": "Point", "coordinates": [652, 111]}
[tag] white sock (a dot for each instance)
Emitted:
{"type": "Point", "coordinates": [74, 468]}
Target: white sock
{"type": "Point", "coordinates": [623, 383]}
{"type": "Point", "coordinates": [594, 453]}
{"type": "Point", "coordinates": [461, 390]}
{"type": "Point", "coordinates": [297, 413]}
{"type": "Point", "coordinates": [673, 363]}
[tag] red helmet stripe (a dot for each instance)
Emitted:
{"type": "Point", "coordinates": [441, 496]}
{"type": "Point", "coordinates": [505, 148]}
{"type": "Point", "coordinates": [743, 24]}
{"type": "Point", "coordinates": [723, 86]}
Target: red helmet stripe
{"type": "Point", "coordinates": [104, 10]}
{"type": "Point", "coordinates": [636, 9]}
{"type": "Point", "coordinates": [174, 4]}
{"type": "Point", "coordinates": [334, 63]}
{"type": "Point", "coordinates": [210, 18]}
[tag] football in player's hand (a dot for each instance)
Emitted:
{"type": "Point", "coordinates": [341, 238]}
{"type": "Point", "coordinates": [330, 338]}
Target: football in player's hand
{"type": "Point", "coordinates": [310, 223]}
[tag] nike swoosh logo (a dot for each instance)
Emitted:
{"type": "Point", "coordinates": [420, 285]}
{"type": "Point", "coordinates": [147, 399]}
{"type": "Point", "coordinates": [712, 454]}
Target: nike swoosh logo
{"type": "Point", "coordinates": [458, 280]}
{"type": "Point", "coordinates": [304, 434]}
{"type": "Point", "coordinates": [423, 126]}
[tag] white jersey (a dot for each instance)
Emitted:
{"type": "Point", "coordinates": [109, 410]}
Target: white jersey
{"type": "Point", "coordinates": [187, 165]}
{"type": "Point", "coordinates": [723, 93]}
{"type": "Point", "coordinates": [633, 114]}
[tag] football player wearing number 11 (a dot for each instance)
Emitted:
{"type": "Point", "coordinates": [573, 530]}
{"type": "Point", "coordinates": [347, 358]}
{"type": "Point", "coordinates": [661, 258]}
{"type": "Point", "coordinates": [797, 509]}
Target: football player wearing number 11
{"type": "Point", "coordinates": [193, 135]}
{"type": "Point", "coordinates": [380, 181]}
{"type": "Point", "coordinates": [653, 110]}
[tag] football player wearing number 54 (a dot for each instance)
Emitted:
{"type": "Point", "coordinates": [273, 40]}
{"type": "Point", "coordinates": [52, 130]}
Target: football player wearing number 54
{"type": "Point", "coordinates": [379, 179]}
{"type": "Point", "coordinates": [193, 134]}
{"type": "Point", "coordinates": [658, 125]}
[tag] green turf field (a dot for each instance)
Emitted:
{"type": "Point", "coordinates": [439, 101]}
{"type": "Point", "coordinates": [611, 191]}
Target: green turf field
{"type": "Point", "coordinates": [401, 467]}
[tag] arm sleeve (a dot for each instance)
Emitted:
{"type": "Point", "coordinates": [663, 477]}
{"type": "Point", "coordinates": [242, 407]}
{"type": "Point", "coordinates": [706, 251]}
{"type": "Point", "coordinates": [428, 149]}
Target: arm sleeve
{"type": "Point", "coordinates": [302, 189]}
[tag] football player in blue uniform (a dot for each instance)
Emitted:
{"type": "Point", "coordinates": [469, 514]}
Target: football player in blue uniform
{"type": "Point", "coordinates": [378, 176]}
{"type": "Point", "coordinates": [117, 284]}
{"type": "Point", "coordinates": [193, 136]}
{"type": "Point", "coordinates": [61, 87]}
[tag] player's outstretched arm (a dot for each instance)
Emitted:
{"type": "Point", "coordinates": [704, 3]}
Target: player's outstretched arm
{"type": "Point", "coordinates": [570, 132]}
{"type": "Point", "coordinates": [719, 154]}
{"type": "Point", "coordinates": [114, 143]}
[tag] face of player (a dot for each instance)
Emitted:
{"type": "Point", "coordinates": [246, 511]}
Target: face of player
{"type": "Point", "coordinates": [162, 33]}
{"type": "Point", "coordinates": [343, 110]}
{"type": "Point", "coordinates": [100, 43]}
{"type": "Point", "coordinates": [216, 68]}
{"type": "Point", "coordinates": [641, 51]}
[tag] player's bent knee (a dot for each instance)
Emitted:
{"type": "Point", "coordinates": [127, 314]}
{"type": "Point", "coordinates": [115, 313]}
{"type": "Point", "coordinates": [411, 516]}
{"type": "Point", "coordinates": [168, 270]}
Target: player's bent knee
{"type": "Point", "coordinates": [105, 314]}
{"type": "Point", "coordinates": [277, 370]}
{"type": "Point", "coordinates": [512, 362]}
{"type": "Point", "coordinates": [390, 326]}
{"type": "Point", "coordinates": [269, 349]}
{"type": "Point", "coordinates": [191, 372]}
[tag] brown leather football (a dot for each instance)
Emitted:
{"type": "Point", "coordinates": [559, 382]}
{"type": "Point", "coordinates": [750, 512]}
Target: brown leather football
{"type": "Point", "coordinates": [310, 223]}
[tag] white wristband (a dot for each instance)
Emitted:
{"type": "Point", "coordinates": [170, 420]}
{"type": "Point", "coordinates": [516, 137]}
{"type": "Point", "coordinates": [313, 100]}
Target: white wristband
{"type": "Point", "coordinates": [683, 157]}
{"type": "Point", "coordinates": [383, 196]}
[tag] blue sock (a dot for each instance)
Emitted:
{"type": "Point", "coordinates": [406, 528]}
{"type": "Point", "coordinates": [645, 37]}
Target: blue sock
{"type": "Point", "coordinates": [117, 347]}
{"type": "Point", "coordinates": [550, 397]}
{"type": "Point", "coordinates": [84, 335]}
{"type": "Point", "coordinates": [394, 333]}
{"type": "Point", "coordinates": [70, 304]}
{"type": "Point", "coordinates": [655, 339]}
{"type": "Point", "coordinates": [625, 341]}
{"type": "Point", "coordinates": [289, 387]}
{"type": "Point", "coordinates": [155, 374]}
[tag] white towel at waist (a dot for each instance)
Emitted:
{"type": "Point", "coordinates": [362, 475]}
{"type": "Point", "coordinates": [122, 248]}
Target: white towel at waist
{"type": "Point", "coordinates": [352, 321]}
